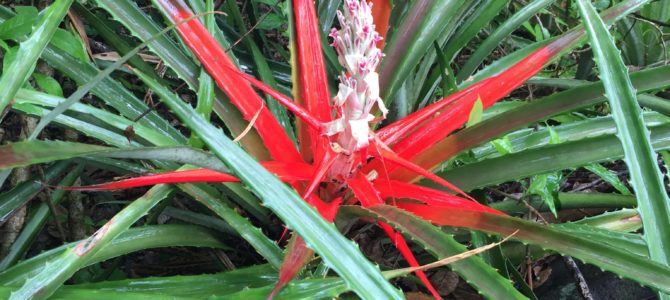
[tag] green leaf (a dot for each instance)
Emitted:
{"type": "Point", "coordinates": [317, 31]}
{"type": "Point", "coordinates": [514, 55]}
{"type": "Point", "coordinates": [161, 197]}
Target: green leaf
{"type": "Point", "coordinates": [38, 218]}
{"type": "Point", "coordinates": [503, 145]}
{"type": "Point", "coordinates": [29, 51]}
{"type": "Point", "coordinates": [568, 201]}
{"type": "Point", "coordinates": [609, 177]}
{"type": "Point", "coordinates": [545, 159]}
{"type": "Point", "coordinates": [48, 84]}
{"type": "Point", "coordinates": [338, 252]}
{"type": "Point", "coordinates": [631, 242]}
{"type": "Point", "coordinates": [554, 138]}
{"type": "Point", "coordinates": [415, 35]}
{"type": "Point", "coordinates": [484, 14]}
{"type": "Point", "coordinates": [200, 286]}
{"type": "Point", "coordinates": [442, 245]}
{"type": "Point", "coordinates": [54, 274]}
{"type": "Point", "coordinates": [646, 178]}
{"type": "Point", "coordinates": [496, 38]}
{"type": "Point", "coordinates": [8, 58]}
{"type": "Point", "coordinates": [70, 43]}
{"type": "Point", "coordinates": [603, 255]}
{"type": "Point", "coordinates": [578, 97]}
{"type": "Point", "coordinates": [271, 21]}
{"type": "Point", "coordinates": [77, 294]}
{"type": "Point", "coordinates": [546, 186]}
{"type": "Point", "coordinates": [22, 193]}
{"type": "Point", "coordinates": [19, 25]}
{"type": "Point", "coordinates": [132, 240]}
{"type": "Point", "coordinates": [28, 153]}
{"type": "Point", "coordinates": [475, 113]}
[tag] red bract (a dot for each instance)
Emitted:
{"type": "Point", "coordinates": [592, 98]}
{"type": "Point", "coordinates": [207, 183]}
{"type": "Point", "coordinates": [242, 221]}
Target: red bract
{"type": "Point", "coordinates": [347, 165]}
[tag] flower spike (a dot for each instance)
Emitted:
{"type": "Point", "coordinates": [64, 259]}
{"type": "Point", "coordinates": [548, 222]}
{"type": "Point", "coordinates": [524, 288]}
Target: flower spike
{"type": "Point", "coordinates": [356, 46]}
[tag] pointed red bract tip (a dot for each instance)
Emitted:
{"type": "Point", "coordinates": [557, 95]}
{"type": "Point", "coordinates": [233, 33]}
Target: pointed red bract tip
{"type": "Point", "coordinates": [401, 190]}
{"type": "Point", "coordinates": [198, 175]}
{"type": "Point", "coordinates": [489, 91]}
{"type": "Point", "coordinates": [296, 257]}
{"type": "Point", "coordinates": [368, 196]}
{"type": "Point", "coordinates": [381, 13]}
{"type": "Point", "coordinates": [313, 82]}
{"type": "Point", "coordinates": [443, 215]}
{"type": "Point", "coordinates": [288, 172]}
{"type": "Point", "coordinates": [238, 90]}
{"type": "Point", "coordinates": [383, 153]}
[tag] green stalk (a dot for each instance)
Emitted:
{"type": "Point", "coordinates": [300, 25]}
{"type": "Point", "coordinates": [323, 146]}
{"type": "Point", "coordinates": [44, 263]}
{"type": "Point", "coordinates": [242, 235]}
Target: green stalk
{"type": "Point", "coordinates": [646, 178]}
{"type": "Point", "coordinates": [568, 201]}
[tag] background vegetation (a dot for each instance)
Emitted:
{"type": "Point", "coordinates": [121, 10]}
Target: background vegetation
{"type": "Point", "coordinates": [577, 156]}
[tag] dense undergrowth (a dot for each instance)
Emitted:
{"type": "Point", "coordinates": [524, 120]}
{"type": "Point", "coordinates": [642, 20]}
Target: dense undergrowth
{"type": "Point", "coordinates": [234, 149]}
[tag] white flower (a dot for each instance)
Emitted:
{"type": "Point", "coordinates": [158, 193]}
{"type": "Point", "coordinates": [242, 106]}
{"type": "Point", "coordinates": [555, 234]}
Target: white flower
{"type": "Point", "coordinates": [356, 46]}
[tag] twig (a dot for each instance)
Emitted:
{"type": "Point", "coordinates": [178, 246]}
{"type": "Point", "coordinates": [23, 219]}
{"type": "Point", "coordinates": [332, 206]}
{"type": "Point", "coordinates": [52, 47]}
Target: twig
{"type": "Point", "coordinates": [579, 277]}
{"type": "Point", "coordinates": [52, 207]}
{"type": "Point", "coordinates": [657, 22]}
{"type": "Point", "coordinates": [251, 124]}
{"type": "Point", "coordinates": [265, 15]}
{"type": "Point", "coordinates": [569, 262]}
{"type": "Point", "coordinates": [457, 257]}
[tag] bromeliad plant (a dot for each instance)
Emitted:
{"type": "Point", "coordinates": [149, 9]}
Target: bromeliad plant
{"type": "Point", "coordinates": [341, 161]}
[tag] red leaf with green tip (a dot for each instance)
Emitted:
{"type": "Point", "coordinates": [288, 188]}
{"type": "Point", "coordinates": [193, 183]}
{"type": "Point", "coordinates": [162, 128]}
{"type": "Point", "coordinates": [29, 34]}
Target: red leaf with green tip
{"type": "Point", "coordinates": [398, 190]}
{"type": "Point", "coordinates": [297, 256]}
{"type": "Point", "coordinates": [285, 171]}
{"type": "Point", "coordinates": [393, 132]}
{"type": "Point", "coordinates": [490, 91]}
{"type": "Point", "coordinates": [386, 155]}
{"type": "Point", "coordinates": [419, 146]}
{"type": "Point", "coordinates": [240, 93]}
